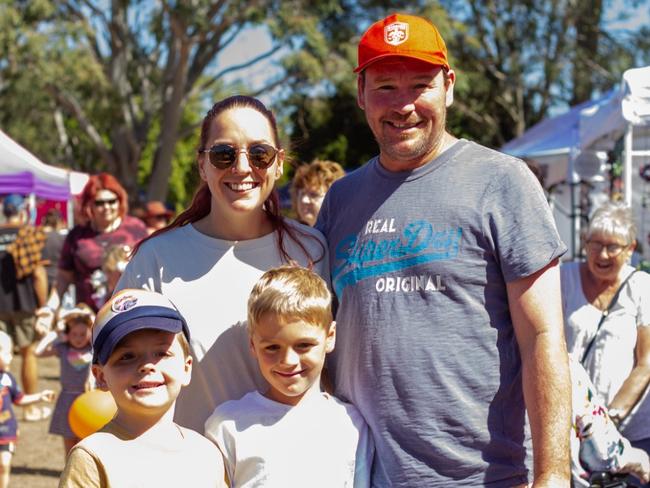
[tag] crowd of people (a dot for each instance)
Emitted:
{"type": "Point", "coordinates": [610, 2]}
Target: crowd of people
{"type": "Point", "coordinates": [413, 327]}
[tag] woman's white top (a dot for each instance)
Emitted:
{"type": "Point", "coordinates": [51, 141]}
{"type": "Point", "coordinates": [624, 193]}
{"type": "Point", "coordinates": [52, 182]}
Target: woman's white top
{"type": "Point", "coordinates": [209, 281]}
{"type": "Point", "coordinates": [612, 356]}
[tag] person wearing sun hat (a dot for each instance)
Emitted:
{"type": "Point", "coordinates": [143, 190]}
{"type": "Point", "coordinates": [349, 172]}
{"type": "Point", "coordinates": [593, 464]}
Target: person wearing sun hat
{"type": "Point", "coordinates": [446, 275]}
{"type": "Point", "coordinates": [156, 215]}
{"type": "Point", "coordinates": [141, 355]}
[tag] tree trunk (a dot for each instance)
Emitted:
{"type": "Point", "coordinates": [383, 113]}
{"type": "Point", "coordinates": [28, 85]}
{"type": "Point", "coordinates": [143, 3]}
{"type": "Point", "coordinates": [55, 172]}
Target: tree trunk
{"type": "Point", "coordinates": [587, 23]}
{"type": "Point", "coordinates": [172, 111]}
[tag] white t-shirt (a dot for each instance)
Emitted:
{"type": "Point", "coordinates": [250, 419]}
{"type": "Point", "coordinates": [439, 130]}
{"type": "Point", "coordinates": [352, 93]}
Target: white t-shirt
{"type": "Point", "coordinates": [321, 442]}
{"type": "Point", "coordinates": [209, 280]}
{"type": "Point", "coordinates": [612, 356]}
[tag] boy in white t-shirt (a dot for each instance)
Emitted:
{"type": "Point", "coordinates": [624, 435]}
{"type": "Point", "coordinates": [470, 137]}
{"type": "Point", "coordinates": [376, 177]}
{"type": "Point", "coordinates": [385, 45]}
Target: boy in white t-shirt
{"type": "Point", "coordinates": [294, 434]}
{"type": "Point", "coordinates": [141, 355]}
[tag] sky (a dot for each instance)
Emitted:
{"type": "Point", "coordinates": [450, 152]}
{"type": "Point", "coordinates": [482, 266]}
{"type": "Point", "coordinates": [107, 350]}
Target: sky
{"type": "Point", "coordinates": [256, 40]}
{"type": "Point", "coordinates": [250, 43]}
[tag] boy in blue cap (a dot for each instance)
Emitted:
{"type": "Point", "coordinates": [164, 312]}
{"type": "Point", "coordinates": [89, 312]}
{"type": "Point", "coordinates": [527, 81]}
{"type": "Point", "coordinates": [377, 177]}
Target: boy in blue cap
{"type": "Point", "coordinates": [141, 356]}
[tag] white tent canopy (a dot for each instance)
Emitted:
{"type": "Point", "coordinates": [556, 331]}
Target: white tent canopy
{"type": "Point", "coordinates": [22, 172]}
{"type": "Point", "coordinates": [572, 146]}
{"type": "Point", "coordinates": [595, 125]}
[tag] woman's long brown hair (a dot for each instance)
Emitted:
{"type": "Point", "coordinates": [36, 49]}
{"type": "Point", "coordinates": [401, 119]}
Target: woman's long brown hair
{"type": "Point", "coordinates": [200, 206]}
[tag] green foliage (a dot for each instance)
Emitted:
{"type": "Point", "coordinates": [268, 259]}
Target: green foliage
{"type": "Point", "coordinates": [92, 90]}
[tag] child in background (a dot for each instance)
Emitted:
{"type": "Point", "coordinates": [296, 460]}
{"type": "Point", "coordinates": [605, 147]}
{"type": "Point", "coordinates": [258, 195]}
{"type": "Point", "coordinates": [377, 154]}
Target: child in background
{"type": "Point", "coordinates": [141, 356]}
{"type": "Point", "coordinates": [294, 434]}
{"type": "Point", "coordinates": [309, 186]}
{"type": "Point", "coordinates": [72, 346]}
{"type": "Point", "coordinates": [10, 394]}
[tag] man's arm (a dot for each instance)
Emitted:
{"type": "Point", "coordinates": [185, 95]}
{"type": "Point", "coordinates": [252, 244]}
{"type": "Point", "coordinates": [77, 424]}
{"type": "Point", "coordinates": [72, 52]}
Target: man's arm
{"type": "Point", "coordinates": [536, 310]}
{"type": "Point", "coordinates": [40, 284]}
{"type": "Point", "coordinates": [64, 278]}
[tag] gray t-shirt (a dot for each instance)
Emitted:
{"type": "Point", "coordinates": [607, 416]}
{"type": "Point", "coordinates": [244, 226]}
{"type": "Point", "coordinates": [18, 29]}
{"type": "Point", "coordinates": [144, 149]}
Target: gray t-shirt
{"type": "Point", "coordinates": [425, 348]}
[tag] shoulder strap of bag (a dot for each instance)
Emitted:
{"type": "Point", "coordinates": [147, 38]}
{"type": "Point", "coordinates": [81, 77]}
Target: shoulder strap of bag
{"type": "Point", "coordinates": [604, 316]}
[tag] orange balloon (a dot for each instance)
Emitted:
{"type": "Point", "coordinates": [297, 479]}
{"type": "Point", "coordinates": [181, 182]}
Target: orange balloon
{"type": "Point", "coordinates": [90, 412]}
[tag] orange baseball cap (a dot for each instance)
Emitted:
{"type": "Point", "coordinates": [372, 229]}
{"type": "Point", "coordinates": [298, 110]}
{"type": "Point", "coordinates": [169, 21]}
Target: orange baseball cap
{"type": "Point", "coordinates": [402, 35]}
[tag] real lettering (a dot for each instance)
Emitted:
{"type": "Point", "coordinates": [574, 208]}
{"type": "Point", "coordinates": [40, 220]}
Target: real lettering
{"type": "Point", "coordinates": [380, 226]}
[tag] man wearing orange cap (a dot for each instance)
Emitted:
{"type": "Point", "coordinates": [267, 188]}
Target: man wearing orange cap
{"type": "Point", "coordinates": [444, 259]}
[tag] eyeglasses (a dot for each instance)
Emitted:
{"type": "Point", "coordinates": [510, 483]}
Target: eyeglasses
{"type": "Point", "coordinates": [613, 250]}
{"type": "Point", "coordinates": [109, 201]}
{"type": "Point", "coordinates": [223, 156]}
{"type": "Point", "coordinates": [312, 195]}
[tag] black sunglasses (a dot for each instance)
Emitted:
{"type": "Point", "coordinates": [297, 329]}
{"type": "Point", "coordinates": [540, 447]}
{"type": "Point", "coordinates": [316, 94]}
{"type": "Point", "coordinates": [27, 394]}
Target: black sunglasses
{"type": "Point", "coordinates": [101, 203]}
{"type": "Point", "coordinates": [223, 156]}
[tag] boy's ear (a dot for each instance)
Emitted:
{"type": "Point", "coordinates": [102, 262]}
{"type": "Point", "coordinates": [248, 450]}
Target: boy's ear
{"type": "Point", "coordinates": [98, 373]}
{"type": "Point", "coordinates": [188, 370]}
{"type": "Point", "coordinates": [331, 338]}
{"type": "Point", "coordinates": [251, 346]}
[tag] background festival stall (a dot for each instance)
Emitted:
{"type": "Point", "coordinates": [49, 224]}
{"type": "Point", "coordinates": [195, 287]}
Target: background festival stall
{"type": "Point", "coordinates": [23, 173]}
{"type": "Point", "coordinates": [575, 150]}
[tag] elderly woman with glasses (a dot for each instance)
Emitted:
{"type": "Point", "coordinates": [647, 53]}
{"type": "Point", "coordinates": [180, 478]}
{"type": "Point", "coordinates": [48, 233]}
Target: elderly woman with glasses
{"type": "Point", "coordinates": [104, 205]}
{"type": "Point", "coordinates": [607, 320]}
{"type": "Point", "coordinates": [208, 259]}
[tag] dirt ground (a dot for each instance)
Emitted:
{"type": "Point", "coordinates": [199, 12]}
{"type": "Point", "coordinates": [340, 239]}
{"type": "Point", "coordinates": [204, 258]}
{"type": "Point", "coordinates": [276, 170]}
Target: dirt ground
{"type": "Point", "coordinates": [39, 455]}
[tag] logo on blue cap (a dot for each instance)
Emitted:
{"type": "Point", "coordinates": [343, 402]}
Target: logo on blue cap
{"type": "Point", "coordinates": [124, 303]}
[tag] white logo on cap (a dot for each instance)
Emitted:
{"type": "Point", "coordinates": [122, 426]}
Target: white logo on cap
{"type": "Point", "coordinates": [124, 303]}
{"type": "Point", "coordinates": [396, 33]}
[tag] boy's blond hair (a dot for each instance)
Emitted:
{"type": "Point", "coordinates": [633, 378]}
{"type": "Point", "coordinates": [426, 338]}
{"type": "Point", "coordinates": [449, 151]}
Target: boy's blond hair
{"type": "Point", "coordinates": [290, 292]}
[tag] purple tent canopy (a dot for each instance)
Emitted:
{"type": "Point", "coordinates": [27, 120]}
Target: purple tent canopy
{"type": "Point", "coordinates": [25, 183]}
{"type": "Point", "coordinates": [22, 172]}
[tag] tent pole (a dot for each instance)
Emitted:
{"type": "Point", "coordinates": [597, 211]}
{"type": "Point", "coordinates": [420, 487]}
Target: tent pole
{"type": "Point", "coordinates": [627, 166]}
{"type": "Point", "coordinates": [31, 205]}
{"type": "Point", "coordinates": [574, 214]}
{"type": "Point", "coordinates": [70, 212]}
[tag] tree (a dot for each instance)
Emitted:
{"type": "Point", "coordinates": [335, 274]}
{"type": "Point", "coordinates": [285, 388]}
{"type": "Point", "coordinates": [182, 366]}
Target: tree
{"type": "Point", "coordinates": [125, 87]}
{"type": "Point", "coordinates": [514, 59]}
{"type": "Point", "coordinates": [520, 58]}
{"type": "Point", "coordinates": [320, 107]}
{"type": "Point", "coordinates": [144, 62]}
{"type": "Point", "coordinates": [588, 16]}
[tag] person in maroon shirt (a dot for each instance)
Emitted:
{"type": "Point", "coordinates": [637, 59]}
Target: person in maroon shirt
{"type": "Point", "coordinates": [104, 202]}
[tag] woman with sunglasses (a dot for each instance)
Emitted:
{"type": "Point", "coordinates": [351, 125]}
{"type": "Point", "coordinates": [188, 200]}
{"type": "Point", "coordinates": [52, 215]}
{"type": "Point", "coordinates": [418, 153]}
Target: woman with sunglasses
{"type": "Point", "coordinates": [208, 259]}
{"type": "Point", "coordinates": [104, 206]}
{"type": "Point", "coordinates": [607, 320]}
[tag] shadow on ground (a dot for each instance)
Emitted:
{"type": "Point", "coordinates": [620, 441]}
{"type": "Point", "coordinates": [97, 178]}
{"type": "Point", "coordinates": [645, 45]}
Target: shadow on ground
{"type": "Point", "coordinates": [39, 455]}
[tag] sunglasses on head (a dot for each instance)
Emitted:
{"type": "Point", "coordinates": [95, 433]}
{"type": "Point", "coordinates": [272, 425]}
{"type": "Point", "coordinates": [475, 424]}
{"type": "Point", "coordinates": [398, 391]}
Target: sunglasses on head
{"type": "Point", "coordinates": [223, 156]}
{"type": "Point", "coordinates": [108, 201]}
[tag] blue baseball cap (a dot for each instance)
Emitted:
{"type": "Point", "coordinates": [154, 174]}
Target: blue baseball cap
{"type": "Point", "coordinates": [14, 200]}
{"type": "Point", "coordinates": [130, 310]}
